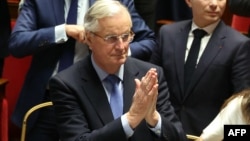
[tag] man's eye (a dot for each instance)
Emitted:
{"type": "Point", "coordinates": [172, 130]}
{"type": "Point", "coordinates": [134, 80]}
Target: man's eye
{"type": "Point", "coordinates": [112, 38]}
{"type": "Point", "coordinates": [125, 37]}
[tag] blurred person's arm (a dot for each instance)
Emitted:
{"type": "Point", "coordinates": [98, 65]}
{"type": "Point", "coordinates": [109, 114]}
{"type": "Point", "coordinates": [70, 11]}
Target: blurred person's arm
{"type": "Point", "coordinates": [144, 41]}
{"type": "Point", "coordinates": [35, 31]}
{"type": "Point", "coordinates": [230, 114]}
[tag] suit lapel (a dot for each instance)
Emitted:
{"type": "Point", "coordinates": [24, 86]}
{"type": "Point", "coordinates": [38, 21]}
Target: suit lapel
{"type": "Point", "coordinates": [211, 51]}
{"type": "Point", "coordinates": [130, 73]}
{"type": "Point", "coordinates": [94, 90]}
{"type": "Point", "coordinates": [180, 51]}
{"type": "Point", "coordinates": [58, 6]}
{"type": "Point", "coordinates": [96, 93]}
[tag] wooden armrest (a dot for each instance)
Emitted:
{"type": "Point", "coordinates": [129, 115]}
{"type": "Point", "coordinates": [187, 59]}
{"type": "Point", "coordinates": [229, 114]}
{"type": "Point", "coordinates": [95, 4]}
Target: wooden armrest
{"type": "Point", "coordinates": [3, 83]}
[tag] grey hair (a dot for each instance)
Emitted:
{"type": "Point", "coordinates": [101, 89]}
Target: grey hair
{"type": "Point", "coordinates": [101, 9]}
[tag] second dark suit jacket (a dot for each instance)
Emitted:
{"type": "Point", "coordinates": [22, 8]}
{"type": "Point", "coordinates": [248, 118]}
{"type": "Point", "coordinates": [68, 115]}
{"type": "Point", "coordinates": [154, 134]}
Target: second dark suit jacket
{"type": "Point", "coordinates": [83, 110]}
{"type": "Point", "coordinates": [224, 68]}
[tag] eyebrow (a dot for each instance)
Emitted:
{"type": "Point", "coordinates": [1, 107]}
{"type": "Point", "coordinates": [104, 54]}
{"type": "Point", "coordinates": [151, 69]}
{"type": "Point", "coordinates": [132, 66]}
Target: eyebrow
{"type": "Point", "coordinates": [108, 34]}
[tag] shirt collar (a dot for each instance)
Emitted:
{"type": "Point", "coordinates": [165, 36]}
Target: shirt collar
{"type": "Point", "coordinates": [209, 29]}
{"type": "Point", "coordinates": [102, 74]}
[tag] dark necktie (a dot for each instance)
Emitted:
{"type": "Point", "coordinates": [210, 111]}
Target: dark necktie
{"type": "Point", "coordinates": [116, 98]}
{"type": "Point", "coordinates": [191, 61]}
{"type": "Point", "coordinates": [67, 56]}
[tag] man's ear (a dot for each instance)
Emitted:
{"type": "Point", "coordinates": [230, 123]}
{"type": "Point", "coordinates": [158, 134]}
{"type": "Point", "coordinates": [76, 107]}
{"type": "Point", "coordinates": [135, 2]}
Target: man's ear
{"type": "Point", "coordinates": [88, 39]}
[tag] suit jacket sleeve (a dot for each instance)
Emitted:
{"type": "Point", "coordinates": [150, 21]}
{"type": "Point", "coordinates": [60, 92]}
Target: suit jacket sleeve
{"type": "Point", "coordinates": [240, 7]}
{"type": "Point", "coordinates": [144, 40]}
{"type": "Point", "coordinates": [34, 28]}
{"type": "Point", "coordinates": [171, 126]}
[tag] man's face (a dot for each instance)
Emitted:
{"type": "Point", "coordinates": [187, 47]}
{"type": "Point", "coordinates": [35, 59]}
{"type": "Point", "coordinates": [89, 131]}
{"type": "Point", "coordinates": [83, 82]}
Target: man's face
{"type": "Point", "coordinates": [206, 12]}
{"type": "Point", "coordinates": [110, 53]}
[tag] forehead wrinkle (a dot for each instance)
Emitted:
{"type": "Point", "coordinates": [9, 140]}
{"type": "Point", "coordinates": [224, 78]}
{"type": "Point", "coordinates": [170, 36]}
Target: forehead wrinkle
{"type": "Point", "coordinates": [117, 24]}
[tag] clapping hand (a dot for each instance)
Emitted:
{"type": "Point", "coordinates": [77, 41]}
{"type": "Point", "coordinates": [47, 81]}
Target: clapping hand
{"type": "Point", "coordinates": [144, 100]}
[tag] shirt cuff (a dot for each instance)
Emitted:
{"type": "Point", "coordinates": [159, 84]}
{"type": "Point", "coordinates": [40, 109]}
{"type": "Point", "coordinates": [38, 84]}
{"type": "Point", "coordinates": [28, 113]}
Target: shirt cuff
{"type": "Point", "coordinates": [157, 128]}
{"type": "Point", "coordinates": [126, 127]}
{"type": "Point", "coordinates": [60, 34]}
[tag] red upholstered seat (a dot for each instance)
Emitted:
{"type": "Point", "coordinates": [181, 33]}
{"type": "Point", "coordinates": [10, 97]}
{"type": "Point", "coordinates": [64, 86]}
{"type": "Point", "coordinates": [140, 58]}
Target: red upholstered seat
{"type": "Point", "coordinates": [241, 24]}
{"type": "Point", "coordinates": [3, 111]}
{"type": "Point", "coordinates": [4, 120]}
{"type": "Point", "coordinates": [14, 71]}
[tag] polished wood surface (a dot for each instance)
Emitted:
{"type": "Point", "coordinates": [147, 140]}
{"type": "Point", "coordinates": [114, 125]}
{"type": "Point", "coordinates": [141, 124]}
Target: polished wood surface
{"type": "Point", "coordinates": [27, 115]}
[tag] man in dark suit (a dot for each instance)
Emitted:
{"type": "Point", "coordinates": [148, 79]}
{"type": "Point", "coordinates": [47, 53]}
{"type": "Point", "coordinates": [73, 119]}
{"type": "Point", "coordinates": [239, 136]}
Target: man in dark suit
{"type": "Point", "coordinates": [222, 66]}
{"type": "Point", "coordinates": [4, 32]}
{"type": "Point", "coordinates": [82, 96]}
{"type": "Point", "coordinates": [41, 31]}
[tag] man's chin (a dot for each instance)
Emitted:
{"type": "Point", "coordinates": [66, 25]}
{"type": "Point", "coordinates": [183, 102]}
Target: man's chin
{"type": "Point", "coordinates": [121, 59]}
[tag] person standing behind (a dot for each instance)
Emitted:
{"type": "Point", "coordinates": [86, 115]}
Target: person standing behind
{"type": "Point", "coordinates": [239, 7]}
{"type": "Point", "coordinates": [198, 86]}
{"type": "Point", "coordinates": [4, 32]}
{"type": "Point", "coordinates": [41, 30]}
{"type": "Point", "coordinates": [234, 111]}
{"type": "Point", "coordinates": [83, 94]}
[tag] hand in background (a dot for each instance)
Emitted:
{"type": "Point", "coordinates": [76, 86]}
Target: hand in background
{"type": "Point", "coordinates": [76, 31]}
